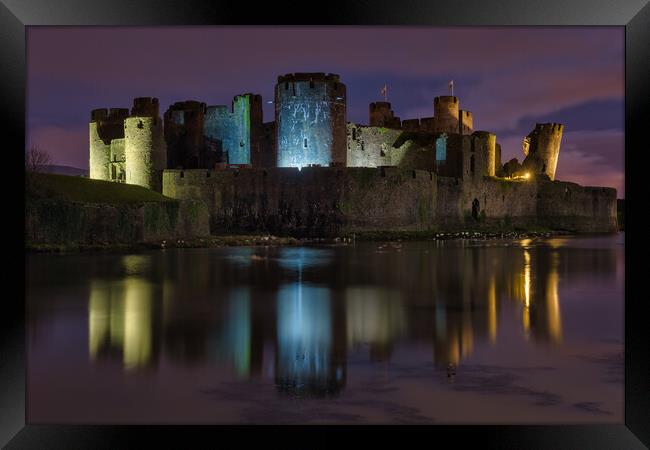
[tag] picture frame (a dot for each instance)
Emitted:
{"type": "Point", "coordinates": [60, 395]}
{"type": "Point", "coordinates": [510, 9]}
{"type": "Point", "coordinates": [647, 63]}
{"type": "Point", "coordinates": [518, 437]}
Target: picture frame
{"type": "Point", "coordinates": [16, 15]}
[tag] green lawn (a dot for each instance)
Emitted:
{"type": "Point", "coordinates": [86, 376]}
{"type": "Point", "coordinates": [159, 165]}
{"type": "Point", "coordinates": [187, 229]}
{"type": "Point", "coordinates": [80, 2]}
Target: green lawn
{"type": "Point", "coordinates": [81, 189]}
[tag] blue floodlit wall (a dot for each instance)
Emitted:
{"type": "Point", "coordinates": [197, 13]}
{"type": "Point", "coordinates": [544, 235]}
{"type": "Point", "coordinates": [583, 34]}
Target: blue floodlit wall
{"type": "Point", "coordinates": [441, 148]}
{"type": "Point", "coordinates": [230, 129]}
{"type": "Point", "coordinates": [310, 119]}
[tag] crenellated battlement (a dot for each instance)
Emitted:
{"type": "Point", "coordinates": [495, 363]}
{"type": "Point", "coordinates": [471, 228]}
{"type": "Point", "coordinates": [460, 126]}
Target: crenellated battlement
{"type": "Point", "coordinates": [549, 127]}
{"type": "Point", "coordinates": [309, 76]}
{"type": "Point", "coordinates": [188, 105]}
{"type": "Point", "coordinates": [145, 107]}
{"type": "Point", "coordinates": [380, 106]}
{"type": "Point", "coordinates": [445, 99]}
{"type": "Point", "coordinates": [253, 98]}
{"type": "Point", "coordinates": [106, 114]}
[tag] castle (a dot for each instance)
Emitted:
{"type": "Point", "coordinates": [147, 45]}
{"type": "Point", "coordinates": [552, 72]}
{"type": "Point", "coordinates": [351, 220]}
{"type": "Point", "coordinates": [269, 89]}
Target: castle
{"type": "Point", "coordinates": [310, 171]}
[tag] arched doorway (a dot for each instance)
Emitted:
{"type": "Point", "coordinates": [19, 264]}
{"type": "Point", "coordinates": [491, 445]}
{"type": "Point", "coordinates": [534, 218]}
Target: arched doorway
{"type": "Point", "coordinates": [476, 209]}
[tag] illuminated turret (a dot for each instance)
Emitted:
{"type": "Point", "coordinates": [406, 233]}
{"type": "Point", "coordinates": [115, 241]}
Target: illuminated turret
{"type": "Point", "coordinates": [310, 111]}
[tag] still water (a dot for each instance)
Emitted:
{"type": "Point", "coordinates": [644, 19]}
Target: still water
{"type": "Point", "coordinates": [525, 331]}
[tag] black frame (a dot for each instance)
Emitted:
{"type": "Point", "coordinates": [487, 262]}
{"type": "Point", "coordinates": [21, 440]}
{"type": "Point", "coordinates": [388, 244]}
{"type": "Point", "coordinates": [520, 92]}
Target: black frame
{"type": "Point", "coordinates": [634, 15]}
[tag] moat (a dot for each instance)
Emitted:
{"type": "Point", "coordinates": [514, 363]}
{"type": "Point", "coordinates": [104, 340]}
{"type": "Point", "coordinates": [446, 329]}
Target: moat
{"type": "Point", "coordinates": [419, 332]}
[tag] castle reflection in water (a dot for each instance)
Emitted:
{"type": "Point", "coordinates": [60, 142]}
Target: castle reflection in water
{"type": "Point", "coordinates": [297, 312]}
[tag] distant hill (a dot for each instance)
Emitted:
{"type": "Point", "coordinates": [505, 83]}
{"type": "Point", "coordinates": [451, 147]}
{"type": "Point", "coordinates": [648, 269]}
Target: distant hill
{"type": "Point", "coordinates": [63, 170]}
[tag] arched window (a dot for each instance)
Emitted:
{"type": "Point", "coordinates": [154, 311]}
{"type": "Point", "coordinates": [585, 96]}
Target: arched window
{"type": "Point", "coordinates": [471, 164]}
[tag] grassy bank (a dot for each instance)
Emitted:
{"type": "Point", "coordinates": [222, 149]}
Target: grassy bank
{"type": "Point", "coordinates": [85, 190]}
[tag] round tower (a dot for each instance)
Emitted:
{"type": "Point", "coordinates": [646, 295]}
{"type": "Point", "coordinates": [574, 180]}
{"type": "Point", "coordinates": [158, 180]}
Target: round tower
{"type": "Point", "coordinates": [488, 144]}
{"type": "Point", "coordinates": [105, 125]}
{"type": "Point", "coordinates": [310, 116]}
{"type": "Point", "coordinates": [542, 148]}
{"type": "Point", "coordinates": [144, 145]}
{"type": "Point", "coordinates": [445, 111]}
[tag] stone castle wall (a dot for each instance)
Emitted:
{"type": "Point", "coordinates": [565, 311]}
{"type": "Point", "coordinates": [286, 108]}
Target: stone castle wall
{"type": "Point", "coordinates": [321, 201]}
{"type": "Point", "coordinates": [59, 221]}
{"type": "Point", "coordinates": [569, 206]}
{"type": "Point", "coordinates": [317, 201]}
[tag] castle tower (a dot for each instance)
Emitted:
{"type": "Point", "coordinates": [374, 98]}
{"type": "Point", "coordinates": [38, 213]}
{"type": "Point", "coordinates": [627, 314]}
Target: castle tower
{"type": "Point", "coordinates": [184, 134]}
{"type": "Point", "coordinates": [542, 148]}
{"type": "Point", "coordinates": [105, 125]}
{"type": "Point", "coordinates": [486, 143]}
{"type": "Point", "coordinates": [445, 111]}
{"type": "Point", "coordinates": [466, 122]}
{"type": "Point", "coordinates": [310, 116]}
{"type": "Point", "coordinates": [236, 133]}
{"type": "Point", "coordinates": [381, 115]}
{"type": "Point", "coordinates": [247, 114]}
{"type": "Point", "coordinates": [145, 151]}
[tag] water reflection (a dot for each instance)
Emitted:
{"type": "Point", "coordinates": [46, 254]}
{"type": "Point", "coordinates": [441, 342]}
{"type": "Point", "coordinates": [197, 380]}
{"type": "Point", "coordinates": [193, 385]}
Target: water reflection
{"type": "Point", "coordinates": [121, 322]}
{"type": "Point", "coordinates": [234, 342]}
{"type": "Point", "coordinates": [375, 317]}
{"type": "Point", "coordinates": [311, 307]}
{"type": "Point", "coordinates": [305, 363]}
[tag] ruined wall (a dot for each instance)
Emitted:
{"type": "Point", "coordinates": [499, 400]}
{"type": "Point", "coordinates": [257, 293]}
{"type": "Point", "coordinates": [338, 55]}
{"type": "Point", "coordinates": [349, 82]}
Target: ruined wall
{"type": "Point", "coordinates": [370, 146]}
{"type": "Point", "coordinates": [542, 148]}
{"type": "Point", "coordinates": [118, 159]}
{"type": "Point", "coordinates": [183, 128]}
{"type": "Point", "coordinates": [446, 114]}
{"type": "Point", "coordinates": [380, 146]}
{"type": "Point", "coordinates": [105, 125]}
{"type": "Point", "coordinates": [145, 151]}
{"type": "Point", "coordinates": [266, 156]}
{"type": "Point", "coordinates": [569, 206]}
{"type": "Point", "coordinates": [381, 115]}
{"type": "Point", "coordinates": [310, 111]}
{"type": "Point", "coordinates": [311, 201]}
{"type": "Point", "coordinates": [413, 155]}
{"type": "Point", "coordinates": [466, 122]}
{"type": "Point", "coordinates": [235, 132]}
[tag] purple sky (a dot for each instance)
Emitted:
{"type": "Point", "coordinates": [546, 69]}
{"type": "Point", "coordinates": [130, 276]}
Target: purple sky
{"type": "Point", "coordinates": [508, 77]}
